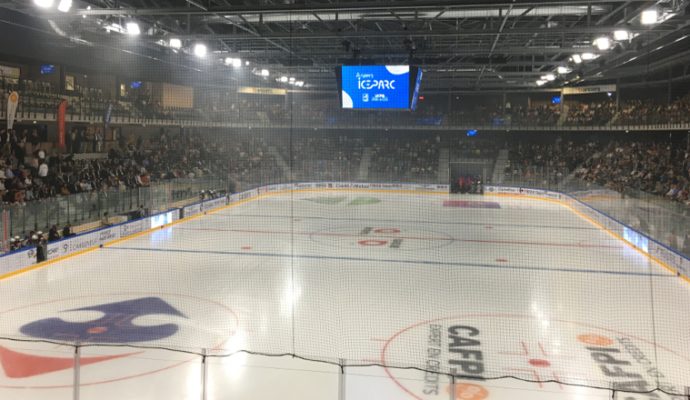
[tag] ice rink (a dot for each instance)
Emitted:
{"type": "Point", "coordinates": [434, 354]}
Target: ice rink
{"type": "Point", "coordinates": [394, 286]}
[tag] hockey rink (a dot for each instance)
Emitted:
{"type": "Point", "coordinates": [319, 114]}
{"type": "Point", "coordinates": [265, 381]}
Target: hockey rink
{"type": "Point", "coordinates": [394, 286]}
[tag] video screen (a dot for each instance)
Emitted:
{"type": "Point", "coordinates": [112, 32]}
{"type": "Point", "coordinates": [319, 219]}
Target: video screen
{"type": "Point", "coordinates": [375, 87]}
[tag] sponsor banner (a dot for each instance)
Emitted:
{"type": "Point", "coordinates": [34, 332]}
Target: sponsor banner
{"type": "Point", "coordinates": [12, 102]}
{"type": "Point", "coordinates": [502, 189]}
{"type": "Point", "coordinates": [17, 260]}
{"type": "Point", "coordinates": [261, 90]}
{"type": "Point", "coordinates": [161, 219]}
{"type": "Point", "coordinates": [10, 74]}
{"type": "Point", "coordinates": [215, 203]}
{"type": "Point", "coordinates": [589, 89]}
{"type": "Point", "coordinates": [62, 111]}
{"type": "Point", "coordinates": [82, 242]}
{"type": "Point", "coordinates": [598, 192]}
{"type": "Point", "coordinates": [194, 209]}
{"type": "Point", "coordinates": [133, 227]}
{"type": "Point", "coordinates": [671, 258]}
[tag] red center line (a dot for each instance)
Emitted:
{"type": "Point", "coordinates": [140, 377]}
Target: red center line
{"type": "Point", "coordinates": [427, 238]}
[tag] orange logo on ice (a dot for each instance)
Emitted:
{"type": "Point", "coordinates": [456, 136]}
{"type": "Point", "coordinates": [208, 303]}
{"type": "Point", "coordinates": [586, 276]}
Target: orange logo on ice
{"type": "Point", "coordinates": [595, 340]}
{"type": "Point", "coordinates": [468, 391]}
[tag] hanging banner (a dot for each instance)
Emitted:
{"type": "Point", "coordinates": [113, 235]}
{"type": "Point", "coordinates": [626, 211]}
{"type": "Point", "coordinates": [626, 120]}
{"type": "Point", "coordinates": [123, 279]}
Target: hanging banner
{"type": "Point", "coordinates": [589, 89]}
{"type": "Point", "coordinates": [62, 111]}
{"type": "Point", "coordinates": [261, 90]}
{"type": "Point", "coordinates": [106, 117]}
{"type": "Point", "coordinates": [12, 103]}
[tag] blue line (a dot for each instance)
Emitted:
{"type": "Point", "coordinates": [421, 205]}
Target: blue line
{"type": "Point", "coordinates": [423, 262]}
{"type": "Point", "coordinates": [404, 221]}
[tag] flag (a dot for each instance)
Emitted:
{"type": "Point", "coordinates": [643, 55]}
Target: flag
{"type": "Point", "coordinates": [106, 117]}
{"type": "Point", "coordinates": [12, 103]}
{"type": "Point", "coordinates": [62, 110]}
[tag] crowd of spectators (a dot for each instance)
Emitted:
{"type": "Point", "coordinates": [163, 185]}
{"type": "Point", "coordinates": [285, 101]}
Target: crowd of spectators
{"type": "Point", "coordinates": [28, 172]}
{"type": "Point", "coordinates": [324, 157]}
{"type": "Point", "coordinates": [39, 239]}
{"type": "Point", "coordinates": [654, 167]}
{"type": "Point", "coordinates": [397, 158]}
{"type": "Point", "coordinates": [546, 164]}
{"type": "Point", "coordinates": [590, 114]}
{"type": "Point", "coordinates": [639, 112]}
{"type": "Point", "coordinates": [537, 115]}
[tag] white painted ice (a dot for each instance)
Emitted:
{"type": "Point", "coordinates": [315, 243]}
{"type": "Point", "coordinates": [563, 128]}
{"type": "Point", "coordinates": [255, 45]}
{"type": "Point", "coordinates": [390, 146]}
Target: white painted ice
{"type": "Point", "coordinates": [528, 290]}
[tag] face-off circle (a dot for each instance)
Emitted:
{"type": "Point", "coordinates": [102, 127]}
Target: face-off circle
{"type": "Point", "coordinates": [166, 320]}
{"type": "Point", "coordinates": [375, 237]}
{"type": "Point", "coordinates": [481, 346]}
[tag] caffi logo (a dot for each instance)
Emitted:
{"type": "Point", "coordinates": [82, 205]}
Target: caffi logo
{"type": "Point", "coordinates": [479, 347]}
{"type": "Point", "coordinates": [627, 365]}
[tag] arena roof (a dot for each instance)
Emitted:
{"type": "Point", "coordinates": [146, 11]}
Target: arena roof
{"type": "Point", "coordinates": [490, 44]}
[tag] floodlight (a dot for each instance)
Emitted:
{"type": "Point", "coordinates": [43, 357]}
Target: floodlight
{"type": "Point", "coordinates": [44, 3]}
{"type": "Point", "coordinates": [175, 43]}
{"type": "Point", "coordinates": [200, 50]}
{"type": "Point", "coordinates": [64, 5]}
{"type": "Point", "coordinates": [649, 17]}
{"type": "Point", "coordinates": [603, 43]}
{"type": "Point", "coordinates": [621, 35]}
{"type": "Point", "coordinates": [133, 28]}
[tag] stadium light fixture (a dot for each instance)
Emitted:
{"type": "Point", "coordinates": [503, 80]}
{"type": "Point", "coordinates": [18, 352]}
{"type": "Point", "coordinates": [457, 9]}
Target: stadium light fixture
{"type": "Point", "coordinates": [548, 77]}
{"type": "Point", "coordinates": [649, 16]}
{"type": "Point", "coordinates": [265, 72]}
{"type": "Point", "coordinates": [621, 35]}
{"type": "Point", "coordinates": [133, 28]}
{"type": "Point", "coordinates": [588, 56]}
{"type": "Point", "coordinates": [64, 5]}
{"type": "Point", "coordinates": [236, 63]}
{"type": "Point", "coordinates": [283, 79]}
{"type": "Point", "coordinates": [541, 82]}
{"type": "Point", "coordinates": [563, 70]}
{"type": "Point", "coordinates": [299, 83]}
{"type": "Point", "coordinates": [291, 80]}
{"type": "Point", "coordinates": [175, 43]}
{"type": "Point", "coordinates": [200, 50]}
{"type": "Point", "coordinates": [228, 60]}
{"type": "Point", "coordinates": [602, 43]}
{"type": "Point", "coordinates": [577, 59]}
{"type": "Point", "coordinates": [44, 3]}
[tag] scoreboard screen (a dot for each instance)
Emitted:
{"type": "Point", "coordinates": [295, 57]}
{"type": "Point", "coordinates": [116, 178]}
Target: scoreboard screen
{"type": "Point", "coordinates": [392, 87]}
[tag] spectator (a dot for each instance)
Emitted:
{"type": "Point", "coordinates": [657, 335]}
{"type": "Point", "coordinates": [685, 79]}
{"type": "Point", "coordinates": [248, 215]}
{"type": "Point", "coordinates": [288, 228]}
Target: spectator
{"type": "Point", "coordinates": [53, 234]}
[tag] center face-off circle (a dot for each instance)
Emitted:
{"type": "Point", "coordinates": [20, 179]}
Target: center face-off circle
{"type": "Point", "coordinates": [373, 237]}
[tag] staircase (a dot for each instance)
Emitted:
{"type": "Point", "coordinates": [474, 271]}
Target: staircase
{"type": "Point", "coordinates": [443, 165]}
{"type": "Point", "coordinates": [363, 173]}
{"type": "Point", "coordinates": [279, 160]}
{"type": "Point", "coordinates": [502, 162]}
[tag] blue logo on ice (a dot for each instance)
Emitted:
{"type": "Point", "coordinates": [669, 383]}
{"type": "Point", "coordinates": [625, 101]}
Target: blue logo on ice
{"type": "Point", "coordinates": [115, 326]}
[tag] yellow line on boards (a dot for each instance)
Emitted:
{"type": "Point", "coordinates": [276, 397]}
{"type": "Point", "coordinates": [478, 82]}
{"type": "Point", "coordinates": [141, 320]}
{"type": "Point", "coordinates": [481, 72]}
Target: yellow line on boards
{"type": "Point", "coordinates": [132, 236]}
{"type": "Point", "coordinates": [316, 190]}
{"type": "Point", "coordinates": [598, 225]}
